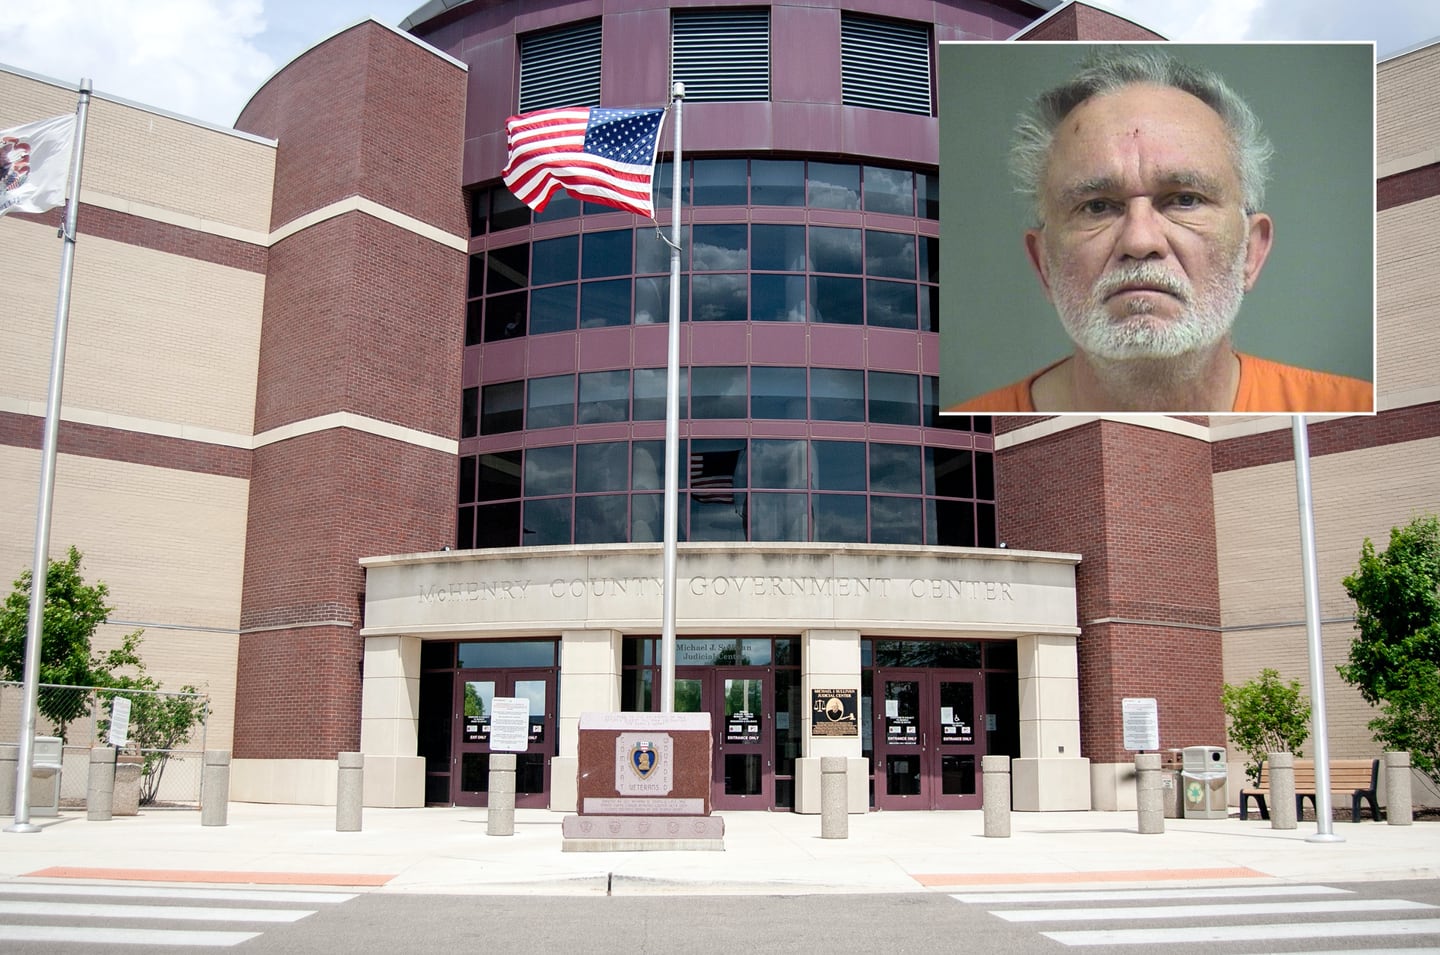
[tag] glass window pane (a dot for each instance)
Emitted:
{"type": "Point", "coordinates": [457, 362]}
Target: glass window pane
{"type": "Point", "coordinates": [777, 392]}
{"type": "Point", "coordinates": [479, 211]}
{"type": "Point", "coordinates": [834, 249]}
{"type": "Point", "coordinates": [778, 464]}
{"type": "Point", "coordinates": [719, 182]}
{"type": "Point", "coordinates": [547, 522]}
{"type": "Point", "coordinates": [650, 394]}
{"type": "Point", "coordinates": [895, 468]}
{"type": "Point", "coordinates": [499, 476]}
{"type": "Point", "coordinates": [984, 524]}
{"type": "Point", "coordinates": [889, 254]}
{"type": "Point", "coordinates": [502, 407]}
{"type": "Point", "coordinates": [647, 465]}
{"type": "Point", "coordinates": [984, 476]}
{"type": "Point", "coordinates": [465, 529]}
{"type": "Point", "coordinates": [498, 525]}
{"type": "Point", "coordinates": [889, 190]}
{"type": "Point", "coordinates": [474, 321]}
{"type": "Point", "coordinates": [717, 468]}
{"type": "Point", "coordinates": [930, 308]}
{"type": "Point", "coordinates": [954, 524]}
{"type": "Point", "coordinates": [602, 519]}
{"type": "Point", "coordinates": [604, 396]}
{"type": "Point", "coordinates": [717, 392]}
{"type": "Point", "coordinates": [605, 304]}
{"type": "Point", "coordinates": [468, 468]}
{"type": "Point", "coordinates": [720, 298]}
{"type": "Point", "coordinates": [930, 411]}
{"type": "Point", "coordinates": [712, 519]}
{"type": "Point", "coordinates": [718, 248]}
{"type": "Point", "coordinates": [838, 465]}
{"type": "Point", "coordinates": [927, 186]}
{"type": "Point", "coordinates": [506, 211]}
{"type": "Point", "coordinates": [505, 316]}
{"type": "Point", "coordinates": [652, 300]}
{"type": "Point", "coordinates": [839, 517]}
{"type": "Point", "coordinates": [896, 520]}
{"type": "Point", "coordinates": [949, 472]}
{"type": "Point", "coordinates": [837, 394]}
{"type": "Point", "coordinates": [890, 304]}
{"type": "Point", "coordinates": [606, 253]}
{"type": "Point", "coordinates": [836, 301]}
{"type": "Point", "coordinates": [929, 250]}
{"type": "Point", "coordinates": [551, 402]}
{"type": "Point", "coordinates": [552, 309]}
{"type": "Point", "coordinates": [777, 248]}
{"type": "Point", "coordinates": [777, 182]}
{"type": "Point", "coordinates": [475, 279]}
{"type": "Point", "coordinates": [780, 517]}
{"type": "Point", "coordinates": [549, 471]}
{"type": "Point", "coordinates": [894, 399]}
{"type": "Point", "coordinates": [556, 260]}
{"type": "Point", "coordinates": [602, 467]}
{"type": "Point", "coordinates": [652, 254]}
{"type": "Point", "coordinates": [777, 298]}
{"type": "Point", "coordinates": [508, 269]}
{"type": "Point", "coordinates": [562, 205]}
{"type": "Point", "coordinates": [469, 412]}
{"type": "Point", "coordinates": [834, 185]}
{"type": "Point", "coordinates": [647, 518]}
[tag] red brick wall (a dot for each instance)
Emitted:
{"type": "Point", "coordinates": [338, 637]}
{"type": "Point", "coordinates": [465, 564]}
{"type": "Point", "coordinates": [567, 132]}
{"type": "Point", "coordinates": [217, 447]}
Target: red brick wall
{"type": "Point", "coordinates": [1411, 185]}
{"type": "Point", "coordinates": [1079, 22]}
{"type": "Point", "coordinates": [1136, 504]}
{"type": "Point", "coordinates": [361, 316]}
{"type": "Point", "coordinates": [1331, 437]}
{"type": "Point", "coordinates": [366, 113]}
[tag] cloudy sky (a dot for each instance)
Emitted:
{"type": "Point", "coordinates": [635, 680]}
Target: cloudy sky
{"type": "Point", "coordinates": [204, 58]}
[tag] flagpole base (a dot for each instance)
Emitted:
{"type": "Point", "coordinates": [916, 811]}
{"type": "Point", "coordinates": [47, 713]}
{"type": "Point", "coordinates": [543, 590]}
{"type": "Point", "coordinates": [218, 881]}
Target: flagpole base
{"type": "Point", "coordinates": [23, 827]}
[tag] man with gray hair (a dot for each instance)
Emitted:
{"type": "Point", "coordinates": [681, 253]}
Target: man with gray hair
{"type": "Point", "coordinates": [1146, 178]}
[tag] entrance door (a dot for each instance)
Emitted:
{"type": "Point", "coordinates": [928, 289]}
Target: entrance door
{"type": "Point", "coordinates": [478, 689]}
{"type": "Point", "coordinates": [927, 737]}
{"type": "Point", "coordinates": [740, 703]}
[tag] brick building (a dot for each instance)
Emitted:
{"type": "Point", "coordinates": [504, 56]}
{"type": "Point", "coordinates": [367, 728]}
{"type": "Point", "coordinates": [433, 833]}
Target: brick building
{"type": "Point", "coordinates": [363, 443]}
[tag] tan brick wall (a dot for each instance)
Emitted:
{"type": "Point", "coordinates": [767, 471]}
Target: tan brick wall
{"type": "Point", "coordinates": [153, 336]}
{"type": "Point", "coordinates": [169, 544]}
{"type": "Point", "coordinates": [1357, 494]}
{"type": "Point", "coordinates": [1407, 299]}
{"type": "Point", "coordinates": [193, 172]}
{"type": "Point", "coordinates": [1407, 104]}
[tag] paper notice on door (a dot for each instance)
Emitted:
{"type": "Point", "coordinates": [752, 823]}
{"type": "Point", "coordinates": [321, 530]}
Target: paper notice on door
{"type": "Point", "coordinates": [892, 708]}
{"type": "Point", "coordinates": [947, 714]}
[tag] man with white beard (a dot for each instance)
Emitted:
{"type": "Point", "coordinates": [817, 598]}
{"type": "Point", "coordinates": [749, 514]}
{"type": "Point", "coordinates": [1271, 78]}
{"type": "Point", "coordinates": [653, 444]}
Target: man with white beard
{"type": "Point", "coordinates": [1147, 178]}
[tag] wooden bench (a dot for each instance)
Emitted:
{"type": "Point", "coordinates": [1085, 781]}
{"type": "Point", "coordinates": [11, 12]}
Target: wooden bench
{"type": "Point", "coordinates": [1357, 778]}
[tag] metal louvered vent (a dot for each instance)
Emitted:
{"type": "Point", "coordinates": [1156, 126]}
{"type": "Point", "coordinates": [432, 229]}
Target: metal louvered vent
{"type": "Point", "coordinates": [560, 68]}
{"type": "Point", "coordinates": [721, 54]}
{"type": "Point", "coordinates": [885, 64]}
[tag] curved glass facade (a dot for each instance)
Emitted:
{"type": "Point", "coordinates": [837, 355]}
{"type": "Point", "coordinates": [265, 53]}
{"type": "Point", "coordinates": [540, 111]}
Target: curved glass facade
{"type": "Point", "coordinates": [809, 291]}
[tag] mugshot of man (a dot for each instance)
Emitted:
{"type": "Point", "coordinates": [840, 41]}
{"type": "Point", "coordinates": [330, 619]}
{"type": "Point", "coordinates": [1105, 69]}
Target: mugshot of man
{"type": "Point", "coordinates": [1146, 176]}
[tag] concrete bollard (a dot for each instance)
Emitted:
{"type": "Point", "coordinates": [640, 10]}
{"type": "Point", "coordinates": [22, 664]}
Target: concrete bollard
{"type": "Point", "coordinates": [9, 763]}
{"type": "Point", "coordinates": [349, 792]}
{"type": "Point", "coordinates": [834, 798]}
{"type": "Point", "coordinates": [215, 788]}
{"type": "Point", "coordinates": [1399, 810]}
{"type": "Point", "coordinates": [995, 795]}
{"type": "Point", "coordinates": [100, 785]}
{"type": "Point", "coordinates": [1149, 793]}
{"type": "Point", "coordinates": [1282, 790]}
{"type": "Point", "coordinates": [500, 818]}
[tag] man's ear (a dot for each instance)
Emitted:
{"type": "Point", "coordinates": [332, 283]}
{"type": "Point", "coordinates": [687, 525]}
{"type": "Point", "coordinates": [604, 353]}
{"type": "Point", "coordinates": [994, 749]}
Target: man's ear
{"type": "Point", "coordinates": [1261, 234]}
{"type": "Point", "coordinates": [1035, 251]}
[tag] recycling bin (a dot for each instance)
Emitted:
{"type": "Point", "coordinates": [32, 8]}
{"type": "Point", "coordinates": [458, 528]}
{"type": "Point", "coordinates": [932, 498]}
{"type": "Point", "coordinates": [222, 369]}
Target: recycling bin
{"type": "Point", "coordinates": [1205, 782]}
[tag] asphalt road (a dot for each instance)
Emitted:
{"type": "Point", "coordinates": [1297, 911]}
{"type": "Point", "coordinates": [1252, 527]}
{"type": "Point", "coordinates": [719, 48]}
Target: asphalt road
{"type": "Point", "coordinates": [1350, 917]}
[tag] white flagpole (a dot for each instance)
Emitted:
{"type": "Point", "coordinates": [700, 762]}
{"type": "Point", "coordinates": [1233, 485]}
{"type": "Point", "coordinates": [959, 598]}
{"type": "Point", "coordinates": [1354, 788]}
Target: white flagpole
{"type": "Point", "coordinates": [40, 569]}
{"type": "Point", "coordinates": [672, 432]}
{"type": "Point", "coordinates": [1324, 815]}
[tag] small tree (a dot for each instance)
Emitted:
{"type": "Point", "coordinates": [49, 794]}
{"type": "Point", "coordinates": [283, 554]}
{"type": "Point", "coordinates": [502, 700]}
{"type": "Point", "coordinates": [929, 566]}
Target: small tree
{"type": "Point", "coordinates": [159, 724]}
{"type": "Point", "coordinates": [73, 611]}
{"type": "Point", "coordinates": [1395, 658]}
{"type": "Point", "coordinates": [1266, 716]}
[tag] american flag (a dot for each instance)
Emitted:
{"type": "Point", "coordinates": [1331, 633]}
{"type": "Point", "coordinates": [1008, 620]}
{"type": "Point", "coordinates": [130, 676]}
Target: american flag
{"type": "Point", "coordinates": [712, 476]}
{"type": "Point", "coordinates": [599, 155]}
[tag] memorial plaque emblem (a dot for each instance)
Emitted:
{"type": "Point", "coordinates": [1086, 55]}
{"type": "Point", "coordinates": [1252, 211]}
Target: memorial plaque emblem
{"type": "Point", "coordinates": [644, 758]}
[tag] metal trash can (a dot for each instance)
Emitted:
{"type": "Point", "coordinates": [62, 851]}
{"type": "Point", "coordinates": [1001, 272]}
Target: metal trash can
{"type": "Point", "coordinates": [1206, 781]}
{"type": "Point", "coordinates": [1172, 789]}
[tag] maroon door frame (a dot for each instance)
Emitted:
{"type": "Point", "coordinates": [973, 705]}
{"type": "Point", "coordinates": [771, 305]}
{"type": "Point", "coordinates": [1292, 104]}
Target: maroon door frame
{"type": "Point", "coordinates": [471, 738]}
{"type": "Point", "coordinates": [743, 744]}
{"type": "Point", "coordinates": [922, 761]}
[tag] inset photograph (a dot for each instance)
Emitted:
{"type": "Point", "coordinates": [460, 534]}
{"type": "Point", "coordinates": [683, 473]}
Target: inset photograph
{"type": "Point", "coordinates": [1168, 228]}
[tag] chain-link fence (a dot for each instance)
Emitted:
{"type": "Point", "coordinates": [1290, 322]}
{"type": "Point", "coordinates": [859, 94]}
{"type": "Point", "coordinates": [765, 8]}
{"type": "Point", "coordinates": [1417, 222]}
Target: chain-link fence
{"type": "Point", "coordinates": [166, 729]}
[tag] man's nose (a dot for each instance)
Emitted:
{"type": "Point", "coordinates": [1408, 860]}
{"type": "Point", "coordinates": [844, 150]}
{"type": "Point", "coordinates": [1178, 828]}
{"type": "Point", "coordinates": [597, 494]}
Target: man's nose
{"type": "Point", "coordinates": [1142, 232]}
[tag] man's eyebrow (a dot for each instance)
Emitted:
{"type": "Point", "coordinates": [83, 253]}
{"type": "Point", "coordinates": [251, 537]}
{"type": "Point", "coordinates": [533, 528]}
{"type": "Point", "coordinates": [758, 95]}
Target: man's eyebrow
{"type": "Point", "coordinates": [1109, 185]}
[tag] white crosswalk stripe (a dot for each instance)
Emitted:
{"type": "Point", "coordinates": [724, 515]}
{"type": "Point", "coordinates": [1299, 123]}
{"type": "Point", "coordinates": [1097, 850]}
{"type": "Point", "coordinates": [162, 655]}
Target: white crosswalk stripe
{"type": "Point", "coordinates": [1238, 915]}
{"type": "Point", "coordinates": [56, 913]}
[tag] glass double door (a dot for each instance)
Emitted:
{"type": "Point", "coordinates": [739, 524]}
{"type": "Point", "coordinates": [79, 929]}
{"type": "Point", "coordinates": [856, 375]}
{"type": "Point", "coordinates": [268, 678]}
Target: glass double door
{"type": "Point", "coordinates": [928, 737]}
{"type": "Point", "coordinates": [739, 701]}
{"type": "Point", "coordinates": [477, 690]}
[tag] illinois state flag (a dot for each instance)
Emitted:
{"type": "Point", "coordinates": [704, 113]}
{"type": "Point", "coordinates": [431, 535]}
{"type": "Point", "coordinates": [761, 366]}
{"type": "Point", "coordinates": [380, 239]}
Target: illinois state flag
{"type": "Point", "coordinates": [600, 155]}
{"type": "Point", "coordinates": [35, 164]}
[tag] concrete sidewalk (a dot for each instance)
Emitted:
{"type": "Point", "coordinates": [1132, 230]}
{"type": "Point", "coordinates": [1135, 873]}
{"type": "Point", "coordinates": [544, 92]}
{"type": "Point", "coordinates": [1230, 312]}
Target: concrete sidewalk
{"type": "Point", "coordinates": [448, 851]}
